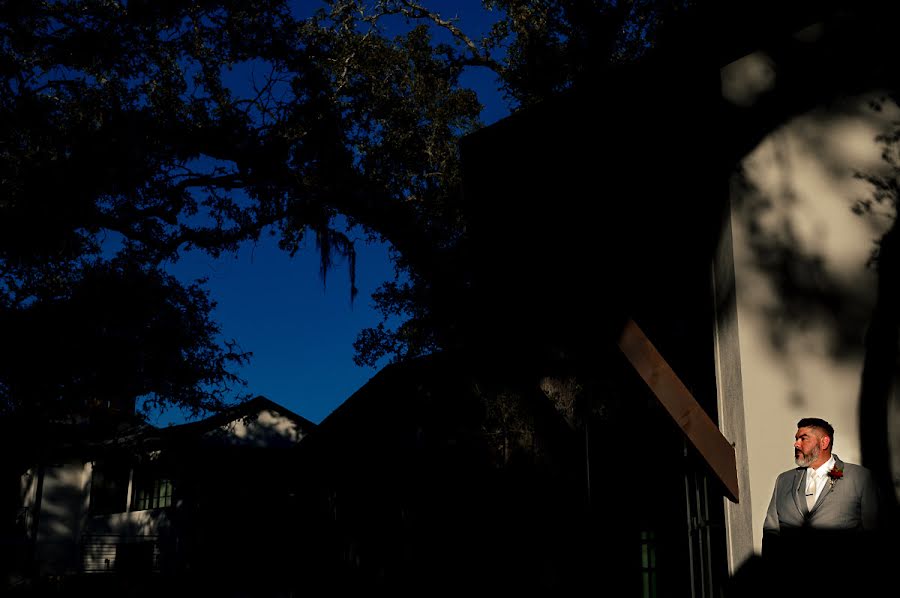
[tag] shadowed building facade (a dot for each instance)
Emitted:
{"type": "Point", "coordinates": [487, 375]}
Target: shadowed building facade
{"type": "Point", "coordinates": [729, 197]}
{"type": "Point", "coordinates": [144, 506]}
{"type": "Point", "coordinates": [726, 197]}
{"type": "Point", "coordinates": [675, 257]}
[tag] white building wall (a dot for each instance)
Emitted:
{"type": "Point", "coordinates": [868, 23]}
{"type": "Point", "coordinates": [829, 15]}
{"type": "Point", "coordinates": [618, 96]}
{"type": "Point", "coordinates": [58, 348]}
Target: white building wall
{"type": "Point", "coordinates": [268, 428]}
{"type": "Point", "coordinates": [28, 485]}
{"type": "Point", "coordinates": [60, 517]}
{"type": "Point", "coordinates": [64, 521]}
{"type": "Point", "coordinates": [803, 291]}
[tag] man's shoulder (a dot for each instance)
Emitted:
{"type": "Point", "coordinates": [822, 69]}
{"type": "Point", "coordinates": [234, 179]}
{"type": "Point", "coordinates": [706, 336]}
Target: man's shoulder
{"type": "Point", "coordinates": [854, 469]}
{"type": "Point", "coordinates": [788, 474]}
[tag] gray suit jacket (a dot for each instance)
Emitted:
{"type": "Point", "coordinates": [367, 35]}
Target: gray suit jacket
{"type": "Point", "coordinates": [851, 503]}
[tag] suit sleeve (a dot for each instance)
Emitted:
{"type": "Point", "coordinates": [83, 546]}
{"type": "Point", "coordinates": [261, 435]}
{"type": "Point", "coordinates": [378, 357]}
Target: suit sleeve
{"type": "Point", "coordinates": [771, 529]}
{"type": "Point", "coordinates": [771, 525]}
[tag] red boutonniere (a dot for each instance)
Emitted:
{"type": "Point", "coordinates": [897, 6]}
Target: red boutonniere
{"type": "Point", "coordinates": [836, 473]}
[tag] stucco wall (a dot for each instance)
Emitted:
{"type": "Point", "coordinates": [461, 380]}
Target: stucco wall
{"type": "Point", "coordinates": [804, 289]}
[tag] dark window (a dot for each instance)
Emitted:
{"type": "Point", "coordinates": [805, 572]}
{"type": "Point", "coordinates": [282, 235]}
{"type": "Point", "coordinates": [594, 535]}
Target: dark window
{"type": "Point", "coordinates": [152, 491]}
{"type": "Point", "coordinates": [109, 488]}
{"type": "Point", "coordinates": [648, 564]}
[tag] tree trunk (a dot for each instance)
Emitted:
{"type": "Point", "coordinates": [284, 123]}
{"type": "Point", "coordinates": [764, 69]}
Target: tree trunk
{"type": "Point", "coordinates": [879, 372]}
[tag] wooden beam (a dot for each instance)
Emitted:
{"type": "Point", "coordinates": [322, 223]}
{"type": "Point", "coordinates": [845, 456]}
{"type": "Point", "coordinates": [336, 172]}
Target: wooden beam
{"type": "Point", "coordinates": [682, 406]}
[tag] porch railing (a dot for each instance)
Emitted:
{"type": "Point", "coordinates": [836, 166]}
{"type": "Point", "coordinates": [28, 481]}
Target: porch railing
{"type": "Point", "coordinates": [109, 553]}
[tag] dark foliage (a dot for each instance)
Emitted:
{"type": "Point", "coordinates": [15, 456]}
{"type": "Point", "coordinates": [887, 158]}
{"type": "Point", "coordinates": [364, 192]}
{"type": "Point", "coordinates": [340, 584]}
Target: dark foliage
{"type": "Point", "coordinates": [168, 126]}
{"type": "Point", "coordinates": [118, 332]}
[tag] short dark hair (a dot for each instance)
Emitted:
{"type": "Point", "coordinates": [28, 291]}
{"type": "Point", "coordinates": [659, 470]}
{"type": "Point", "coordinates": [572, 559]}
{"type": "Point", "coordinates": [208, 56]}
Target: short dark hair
{"type": "Point", "coordinates": [821, 424]}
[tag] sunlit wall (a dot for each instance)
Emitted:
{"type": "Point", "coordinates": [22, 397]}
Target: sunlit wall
{"type": "Point", "coordinates": [805, 226]}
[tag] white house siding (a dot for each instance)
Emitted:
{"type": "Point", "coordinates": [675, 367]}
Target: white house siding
{"type": "Point", "coordinates": [28, 485]}
{"type": "Point", "coordinates": [62, 504]}
{"type": "Point", "coordinates": [103, 532]}
{"type": "Point", "coordinates": [804, 292]}
{"type": "Point", "coordinates": [150, 522]}
{"type": "Point", "coordinates": [268, 428]}
{"type": "Point", "coordinates": [68, 538]}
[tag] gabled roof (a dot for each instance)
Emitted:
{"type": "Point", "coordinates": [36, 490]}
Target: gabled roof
{"type": "Point", "coordinates": [245, 409]}
{"type": "Point", "coordinates": [443, 396]}
{"type": "Point", "coordinates": [257, 422]}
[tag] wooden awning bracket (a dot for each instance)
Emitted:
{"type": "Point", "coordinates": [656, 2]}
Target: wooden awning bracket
{"type": "Point", "coordinates": [700, 430]}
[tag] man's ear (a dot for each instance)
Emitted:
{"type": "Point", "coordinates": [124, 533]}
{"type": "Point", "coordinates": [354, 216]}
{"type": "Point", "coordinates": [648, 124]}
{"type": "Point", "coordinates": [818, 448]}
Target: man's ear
{"type": "Point", "coordinates": [825, 443]}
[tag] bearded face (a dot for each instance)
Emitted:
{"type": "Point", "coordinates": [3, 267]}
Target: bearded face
{"type": "Point", "coordinates": [805, 458]}
{"type": "Point", "coordinates": [806, 447]}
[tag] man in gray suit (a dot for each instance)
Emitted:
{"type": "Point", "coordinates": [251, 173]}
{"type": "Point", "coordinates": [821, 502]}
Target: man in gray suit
{"type": "Point", "coordinates": [823, 492]}
{"type": "Point", "coordinates": [822, 502]}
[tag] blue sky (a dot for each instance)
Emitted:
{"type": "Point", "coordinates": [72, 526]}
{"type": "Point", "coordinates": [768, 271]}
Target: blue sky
{"type": "Point", "coordinates": [300, 331]}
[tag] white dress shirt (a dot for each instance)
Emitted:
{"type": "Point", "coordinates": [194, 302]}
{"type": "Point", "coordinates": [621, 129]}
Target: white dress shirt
{"type": "Point", "coordinates": [821, 475]}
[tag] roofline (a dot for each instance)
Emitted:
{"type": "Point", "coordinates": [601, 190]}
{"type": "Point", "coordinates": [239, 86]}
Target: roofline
{"type": "Point", "coordinates": [240, 410]}
{"type": "Point", "coordinates": [337, 413]}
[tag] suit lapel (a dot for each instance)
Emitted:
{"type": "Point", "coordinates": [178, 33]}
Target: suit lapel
{"type": "Point", "coordinates": [827, 490]}
{"type": "Point", "coordinates": [799, 492]}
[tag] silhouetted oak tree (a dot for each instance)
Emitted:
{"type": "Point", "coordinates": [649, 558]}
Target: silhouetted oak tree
{"type": "Point", "coordinates": [118, 331]}
{"type": "Point", "coordinates": [141, 129]}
